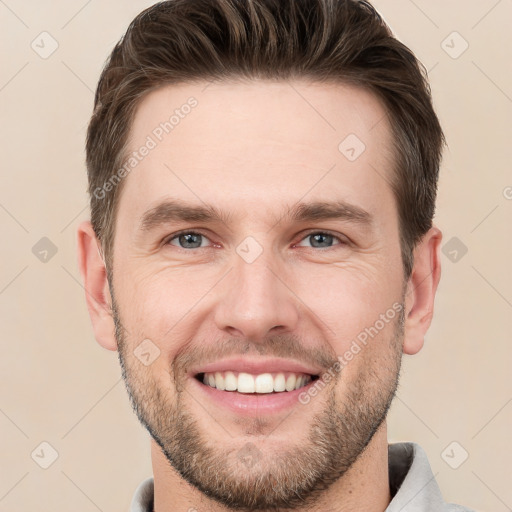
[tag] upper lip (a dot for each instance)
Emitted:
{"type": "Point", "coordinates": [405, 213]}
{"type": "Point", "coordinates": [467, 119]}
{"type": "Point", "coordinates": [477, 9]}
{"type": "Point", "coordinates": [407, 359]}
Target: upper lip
{"type": "Point", "coordinates": [256, 366]}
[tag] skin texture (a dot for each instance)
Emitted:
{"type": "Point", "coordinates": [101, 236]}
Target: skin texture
{"type": "Point", "coordinates": [253, 150]}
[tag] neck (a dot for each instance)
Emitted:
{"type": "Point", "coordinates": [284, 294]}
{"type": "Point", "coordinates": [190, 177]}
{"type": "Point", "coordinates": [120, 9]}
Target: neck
{"type": "Point", "coordinates": [365, 486]}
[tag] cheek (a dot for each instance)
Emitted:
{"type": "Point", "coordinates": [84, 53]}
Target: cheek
{"type": "Point", "coordinates": [349, 299]}
{"type": "Point", "coordinates": [157, 303]}
{"type": "Point", "coordinates": [369, 359]}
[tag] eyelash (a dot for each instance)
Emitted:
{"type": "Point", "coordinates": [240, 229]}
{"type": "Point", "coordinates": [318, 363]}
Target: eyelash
{"type": "Point", "coordinates": [340, 241]}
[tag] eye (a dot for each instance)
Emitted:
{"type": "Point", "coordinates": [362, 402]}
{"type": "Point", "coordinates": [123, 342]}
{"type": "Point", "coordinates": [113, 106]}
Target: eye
{"type": "Point", "coordinates": [188, 240]}
{"type": "Point", "coordinates": [321, 240]}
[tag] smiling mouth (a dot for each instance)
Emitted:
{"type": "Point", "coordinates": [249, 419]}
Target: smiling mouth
{"type": "Point", "coordinates": [264, 383]}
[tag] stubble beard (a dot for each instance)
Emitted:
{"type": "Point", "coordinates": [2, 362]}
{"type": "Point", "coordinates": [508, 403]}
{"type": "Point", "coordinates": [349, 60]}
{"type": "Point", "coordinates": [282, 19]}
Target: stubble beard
{"type": "Point", "coordinates": [241, 474]}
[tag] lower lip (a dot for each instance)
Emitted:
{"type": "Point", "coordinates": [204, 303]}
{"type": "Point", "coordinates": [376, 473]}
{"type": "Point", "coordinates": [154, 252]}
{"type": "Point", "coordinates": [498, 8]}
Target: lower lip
{"type": "Point", "coordinates": [253, 403]}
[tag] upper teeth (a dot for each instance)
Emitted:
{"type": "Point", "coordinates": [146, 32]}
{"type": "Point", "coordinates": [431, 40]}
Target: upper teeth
{"type": "Point", "coordinates": [262, 383]}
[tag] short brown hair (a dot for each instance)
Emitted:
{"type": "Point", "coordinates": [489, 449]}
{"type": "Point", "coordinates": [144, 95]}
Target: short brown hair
{"type": "Point", "coordinates": [345, 41]}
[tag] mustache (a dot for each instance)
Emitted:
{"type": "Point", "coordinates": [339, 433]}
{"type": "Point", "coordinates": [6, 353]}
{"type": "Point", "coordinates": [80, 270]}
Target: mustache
{"type": "Point", "coordinates": [286, 346]}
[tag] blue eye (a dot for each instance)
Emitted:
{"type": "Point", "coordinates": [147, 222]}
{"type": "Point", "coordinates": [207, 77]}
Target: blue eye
{"type": "Point", "coordinates": [188, 240]}
{"type": "Point", "coordinates": [193, 240]}
{"type": "Point", "coordinates": [321, 240]}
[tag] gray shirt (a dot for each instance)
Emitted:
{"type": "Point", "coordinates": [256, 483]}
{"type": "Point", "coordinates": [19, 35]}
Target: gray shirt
{"type": "Point", "coordinates": [411, 482]}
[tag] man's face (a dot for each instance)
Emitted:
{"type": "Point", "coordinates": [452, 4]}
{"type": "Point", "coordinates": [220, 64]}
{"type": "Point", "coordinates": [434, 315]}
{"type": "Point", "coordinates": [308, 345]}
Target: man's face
{"type": "Point", "coordinates": [273, 281]}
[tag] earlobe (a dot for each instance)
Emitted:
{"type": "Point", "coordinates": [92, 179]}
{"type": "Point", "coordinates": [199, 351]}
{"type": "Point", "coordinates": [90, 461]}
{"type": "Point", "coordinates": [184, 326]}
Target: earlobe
{"type": "Point", "coordinates": [97, 292]}
{"type": "Point", "coordinates": [421, 290]}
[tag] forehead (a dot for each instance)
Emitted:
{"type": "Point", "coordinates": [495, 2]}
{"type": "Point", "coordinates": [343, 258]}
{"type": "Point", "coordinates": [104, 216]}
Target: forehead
{"type": "Point", "coordinates": [257, 143]}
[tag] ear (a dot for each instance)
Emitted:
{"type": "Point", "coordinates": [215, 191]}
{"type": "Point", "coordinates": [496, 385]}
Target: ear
{"type": "Point", "coordinates": [421, 290]}
{"type": "Point", "coordinates": [97, 292]}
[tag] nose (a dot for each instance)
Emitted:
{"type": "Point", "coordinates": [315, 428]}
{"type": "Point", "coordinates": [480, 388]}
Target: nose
{"type": "Point", "coordinates": [255, 302]}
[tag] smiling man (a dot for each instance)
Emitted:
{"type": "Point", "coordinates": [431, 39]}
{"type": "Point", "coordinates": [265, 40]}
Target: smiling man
{"type": "Point", "coordinates": [261, 251]}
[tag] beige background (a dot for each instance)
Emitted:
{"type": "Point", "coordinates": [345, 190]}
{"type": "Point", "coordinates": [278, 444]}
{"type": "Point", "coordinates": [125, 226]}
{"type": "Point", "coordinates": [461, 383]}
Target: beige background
{"type": "Point", "coordinates": [59, 386]}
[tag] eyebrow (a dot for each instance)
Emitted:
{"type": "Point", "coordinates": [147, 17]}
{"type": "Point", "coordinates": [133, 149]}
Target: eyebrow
{"type": "Point", "coordinates": [330, 210]}
{"type": "Point", "coordinates": [176, 210]}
